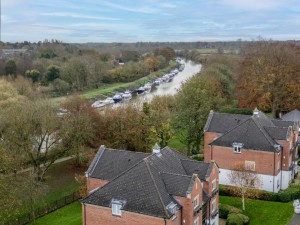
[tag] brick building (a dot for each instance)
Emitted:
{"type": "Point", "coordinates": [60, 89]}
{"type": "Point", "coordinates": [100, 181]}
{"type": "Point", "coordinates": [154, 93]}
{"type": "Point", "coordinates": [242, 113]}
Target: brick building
{"type": "Point", "coordinates": [165, 187]}
{"type": "Point", "coordinates": [266, 146]}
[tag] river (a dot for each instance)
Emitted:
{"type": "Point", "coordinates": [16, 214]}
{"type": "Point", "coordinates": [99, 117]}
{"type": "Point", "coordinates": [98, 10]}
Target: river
{"type": "Point", "coordinates": [169, 88]}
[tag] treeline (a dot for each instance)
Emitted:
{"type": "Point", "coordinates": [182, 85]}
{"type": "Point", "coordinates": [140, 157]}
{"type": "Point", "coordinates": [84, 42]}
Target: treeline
{"type": "Point", "coordinates": [61, 68]}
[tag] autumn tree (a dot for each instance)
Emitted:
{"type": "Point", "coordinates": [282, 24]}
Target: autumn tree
{"type": "Point", "coordinates": [245, 180]}
{"type": "Point", "coordinates": [31, 129]}
{"type": "Point", "coordinates": [79, 127]}
{"type": "Point", "coordinates": [126, 127]}
{"type": "Point", "coordinates": [9, 95]}
{"type": "Point", "coordinates": [269, 75]}
{"type": "Point", "coordinates": [194, 101]}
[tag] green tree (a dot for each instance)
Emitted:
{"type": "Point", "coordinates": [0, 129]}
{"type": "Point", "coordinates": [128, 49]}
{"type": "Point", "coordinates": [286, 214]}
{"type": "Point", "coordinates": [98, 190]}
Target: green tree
{"type": "Point", "coordinates": [10, 67]}
{"type": "Point", "coordinates": [52, 73]}
{"type": "Point", "coordinates": [160, 120]}
{"type": "Point", "coordinates": [194, 101]}
{"type": "Point", "coordinates": [9, 95]}
{"type": "Point", "coordinates": [34, 75]}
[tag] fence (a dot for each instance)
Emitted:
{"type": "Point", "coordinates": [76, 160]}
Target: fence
{"type": "Point", "coordinates": [39, 212]}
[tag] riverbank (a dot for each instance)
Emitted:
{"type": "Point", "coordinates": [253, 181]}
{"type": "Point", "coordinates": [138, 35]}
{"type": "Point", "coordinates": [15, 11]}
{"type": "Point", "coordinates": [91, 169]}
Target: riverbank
{"type": "Point", "coordinates": [109, 89]}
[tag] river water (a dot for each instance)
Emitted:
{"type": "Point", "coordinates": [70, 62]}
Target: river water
{"type": "Point", "coordinates": [168, 88]}
{"type": "Point", "coordinates": [171, 88]}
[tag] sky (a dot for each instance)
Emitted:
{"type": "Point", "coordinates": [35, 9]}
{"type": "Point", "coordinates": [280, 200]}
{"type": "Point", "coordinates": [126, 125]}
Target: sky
{"type": "Point", "coordinates": [81, 21]}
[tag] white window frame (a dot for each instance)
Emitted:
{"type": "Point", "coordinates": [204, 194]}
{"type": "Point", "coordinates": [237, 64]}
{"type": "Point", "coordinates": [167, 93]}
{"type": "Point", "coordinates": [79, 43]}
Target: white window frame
{"type": "Point", "coordinates": [196, 201]}
{"type": "Point", "coordinates": [214, 184]}
{"type": "Point", "coordinates": [213, 205]}
{"type": "Point", "coordinates": [237, 147]}
{"type": "Point", "coordinates": [116, 209]}
{"type": "Point", "coordinates": [250, 165]}
{"type": "Point", "coordinates": [196, 221]}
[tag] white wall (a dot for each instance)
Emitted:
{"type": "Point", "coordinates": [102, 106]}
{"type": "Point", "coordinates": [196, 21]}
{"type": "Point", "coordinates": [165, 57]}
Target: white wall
{"type": "Point", "coordinates": [268, 182]}
{"type": "Point", "coordinates": [215, 221]}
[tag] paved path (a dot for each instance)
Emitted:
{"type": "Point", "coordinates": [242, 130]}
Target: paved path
{"type": "Point", "coordinates": [57, 161]}
{"type": "Point", "coordinates": [295, 220]}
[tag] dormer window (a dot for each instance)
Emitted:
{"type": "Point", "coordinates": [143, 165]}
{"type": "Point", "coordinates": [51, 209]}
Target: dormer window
{"type": "Point", "coordinates": [237, 147]}
{"type": "Point", "coordinates": [172, 208]}
{"type": "Point", "coordinates": [116, 206]}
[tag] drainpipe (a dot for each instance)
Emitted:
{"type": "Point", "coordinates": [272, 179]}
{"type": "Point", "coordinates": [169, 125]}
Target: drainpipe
{"type": "Point", "coordinates": [274, 172]}
{"type": "Point", "coordinates": [181, 214]}
{"type": "Point", "coordinates": [211, 154]}
{"type": "Point", "coordinates": [165, 221]}
{"type": "Point", "coordinates": [84, 212]}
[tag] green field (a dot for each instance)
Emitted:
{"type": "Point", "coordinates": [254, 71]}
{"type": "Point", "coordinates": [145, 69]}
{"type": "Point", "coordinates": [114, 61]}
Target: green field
{"type": "Point", "coordinates": [68, 215]}
{"type": "Point", "coordinates": [262, 212]}
{"type": "Point", "coordinates": [259, 212]}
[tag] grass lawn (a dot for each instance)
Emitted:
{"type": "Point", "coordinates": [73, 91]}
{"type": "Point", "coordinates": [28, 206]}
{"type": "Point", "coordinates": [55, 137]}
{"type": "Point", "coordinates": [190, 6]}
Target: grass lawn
{"type": "Point", "coordinates": [68, 215]}
{"type": "Point", "coordinates": [60, 182]}
{"type": "Point", "coordinates": [263, 212]}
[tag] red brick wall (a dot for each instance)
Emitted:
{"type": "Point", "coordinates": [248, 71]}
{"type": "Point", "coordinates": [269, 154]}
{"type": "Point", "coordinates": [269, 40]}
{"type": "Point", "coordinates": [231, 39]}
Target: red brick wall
{"type": "Point", "coordinates": [93, 183]}
{"type": "Point", "coordinates": [207, 185]}
{"type": "Point", "coordinates": [208, 138]}
{"type": "Point", "coordinates": [97, 215]}
{"type": "Point", "coordinates": [188, 204]}
{"type": "Point", "coordinates": [264, 161]}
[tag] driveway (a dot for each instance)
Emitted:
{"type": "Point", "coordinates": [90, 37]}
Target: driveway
{"type": "Point", "coordinates": [295, 220]}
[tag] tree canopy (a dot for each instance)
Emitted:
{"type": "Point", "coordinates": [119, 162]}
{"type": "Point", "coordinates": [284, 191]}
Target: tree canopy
{"type": "Point", "coordinates": [269, 76]}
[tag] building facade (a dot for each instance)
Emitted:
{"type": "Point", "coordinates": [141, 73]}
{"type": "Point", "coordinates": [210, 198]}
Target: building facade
{"type": "Point", "coordinates": [165, 187]}
{"type": "Point", "coordinates": [266, 146]}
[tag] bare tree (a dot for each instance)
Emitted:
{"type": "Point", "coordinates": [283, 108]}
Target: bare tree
{"type": "Point", "coordinates": [244, 178]}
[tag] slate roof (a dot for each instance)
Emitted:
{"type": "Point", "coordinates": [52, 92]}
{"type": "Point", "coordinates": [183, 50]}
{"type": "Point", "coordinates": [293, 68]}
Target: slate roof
{"type": "Point", "coordinates": [283, 123]}
{"type": "Point", "coordinates": [203, 169]}
{"type": "Point", "coordinates": [292, 116]}
{"type": "Point", "coordinates": [177, 184]}
{"type": "Point", "coordinates": [257, 132]}
{"type": "Point", "coordinates": [109, 163]}
{"type": "Point", "coordinates": [277, 133]}
{"type": "Point", "coordinates": [149, 185]}
{"type": "Point", "coordinates": [222, 122]}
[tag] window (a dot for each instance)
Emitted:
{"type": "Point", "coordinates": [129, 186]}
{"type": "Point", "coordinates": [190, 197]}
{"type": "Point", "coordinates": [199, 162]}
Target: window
{"type": "Point", "coordinates": [214, 185]}
{"type": "Point", "coordinates": [237, 147]}
{"type": "Point", "coordinates": [250, 165]}
{"type": "Point", "coordinates": [213, 205]}
{"type": "Point", "coordinates": [172, 207]}
{"type": "Point", "coordinates": [250, 182]}
{"type": "Point", "coordinates": [196, 201]}
{"type": "Point", "coordinates": [116, 206]}
{"type": "Point", "coordinates": [196, 221]}
{"type": "Point", "coordinates": [116, 209]}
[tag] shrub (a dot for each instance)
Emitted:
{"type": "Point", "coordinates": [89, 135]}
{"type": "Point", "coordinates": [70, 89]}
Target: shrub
{"type": "Point", "coordinates": [236, 111]}
{"type": "Point", "coordinates": [289, 194]}
{"type": "Point", "coordinates": [224, 210]}
{"type": "Point", "coordinates": [237, 219]}
{"type": "Point", "coordinates": [198, 157]}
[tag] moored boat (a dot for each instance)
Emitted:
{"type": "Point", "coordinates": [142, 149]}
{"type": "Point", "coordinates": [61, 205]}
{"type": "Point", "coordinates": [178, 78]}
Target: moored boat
{"type": "Point", "coordinates": [98, 104]}
{"type": "Point", "coordinates": [147, 88]}
{"type": "Point", "coordinates": [140, 90]}
{"type": "Point", "coordinates": [117, 97]}
{"type": "Point", "coordinates": [127, 95]}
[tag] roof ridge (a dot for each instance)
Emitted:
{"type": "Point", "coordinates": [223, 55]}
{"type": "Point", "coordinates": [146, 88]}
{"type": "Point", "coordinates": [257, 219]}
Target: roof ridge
{"type": "Point", "coordinates": [157, 190]}
{"type": "Point", "coordinates": [96, 160]}
{"type": "Point", "coordinates": [122, 150]}
{"type": "Point", "coordinates": [125, 171]}
{"type": "Point", "coordinates": [229, 130]}
{"type": "Point", "coordinates": [210, 116]}
{"type": "Point", "coordinates": [183, 175]}
{"type": "Point", "coordinates": [265, 133]}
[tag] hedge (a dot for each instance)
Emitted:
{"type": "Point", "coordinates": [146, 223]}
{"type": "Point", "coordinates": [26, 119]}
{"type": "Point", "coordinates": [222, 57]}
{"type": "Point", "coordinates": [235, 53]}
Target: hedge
{"type": "Point", "coordinates": [237, 219]}
{"type": "Point", "coordinates": [225, 210]}
{"type": "Point", "coordinates": [287, 195]}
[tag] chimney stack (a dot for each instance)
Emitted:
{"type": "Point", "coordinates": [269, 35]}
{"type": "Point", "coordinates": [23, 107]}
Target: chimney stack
{"type": "Point", "coordinates": [156, 150]}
